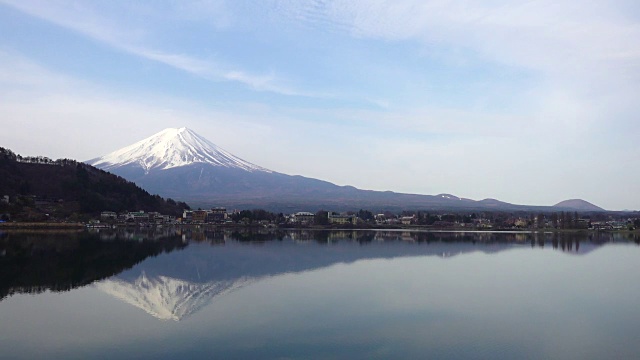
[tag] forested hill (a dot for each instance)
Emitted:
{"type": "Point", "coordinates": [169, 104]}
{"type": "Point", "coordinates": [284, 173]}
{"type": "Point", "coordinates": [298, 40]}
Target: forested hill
{"type": "Point", "coordinates": [65, 187]}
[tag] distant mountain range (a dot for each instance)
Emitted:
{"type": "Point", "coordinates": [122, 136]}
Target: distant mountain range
{"type": "Point", "coordinates": [181, 164]}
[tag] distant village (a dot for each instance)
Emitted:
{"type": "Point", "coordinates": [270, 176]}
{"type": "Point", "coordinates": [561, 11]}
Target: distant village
{"type": "Point", "coordinates": [220, 216]}
{"type": "Point", "coordinates": [365, 219]}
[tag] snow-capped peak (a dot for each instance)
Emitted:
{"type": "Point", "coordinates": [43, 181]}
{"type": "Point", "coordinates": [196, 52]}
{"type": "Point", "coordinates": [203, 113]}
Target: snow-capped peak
{"type": "Point", "coordinates": [172, 147]}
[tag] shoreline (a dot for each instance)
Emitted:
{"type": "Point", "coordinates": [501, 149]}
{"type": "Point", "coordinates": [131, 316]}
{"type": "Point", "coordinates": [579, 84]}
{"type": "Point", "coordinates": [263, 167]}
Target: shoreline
{"type": "Point", "coordinates": [80, 226]}
{"type": "Point", "coordinates": [40, 225]}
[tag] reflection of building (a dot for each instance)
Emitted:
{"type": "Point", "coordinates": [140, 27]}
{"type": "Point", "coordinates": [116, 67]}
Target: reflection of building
{"type": "Point", "coordinates": [300, 235]}
{"type": "Point", "coordinates": [342, 235]}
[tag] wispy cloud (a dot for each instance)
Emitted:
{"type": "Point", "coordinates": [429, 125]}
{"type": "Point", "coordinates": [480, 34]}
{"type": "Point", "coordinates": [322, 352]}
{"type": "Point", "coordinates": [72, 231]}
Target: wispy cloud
{"type": "Point", "coordinates": [584, 54]}
{"type": "Point", "coordinates": [38, 102]}
{"type": "Point", "coordinates": [540, 34]}
{"type": "Point", "coordinates": [80, 17]}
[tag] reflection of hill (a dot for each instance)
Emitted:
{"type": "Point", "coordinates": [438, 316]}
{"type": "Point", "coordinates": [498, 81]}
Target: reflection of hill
{"type": "Point", "coordinates": [178, 284]}
{"type": "Point", "coordinates": [33, 262]}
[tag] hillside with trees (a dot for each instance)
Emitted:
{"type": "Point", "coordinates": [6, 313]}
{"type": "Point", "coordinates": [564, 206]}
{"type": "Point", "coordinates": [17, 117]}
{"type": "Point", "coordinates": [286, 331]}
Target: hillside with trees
{"type": "Point", "coordinates": [39, 188]}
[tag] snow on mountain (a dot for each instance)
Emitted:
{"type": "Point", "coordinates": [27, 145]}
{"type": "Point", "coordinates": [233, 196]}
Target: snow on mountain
{"type": "Point", "coordinates": [167, 298]}
{"type": "Point", "coordinates": [448, 196]}
{"type": "Point", "coordinates": [180, 164]}
{"type": "Point", "coordinates": [171, 148]}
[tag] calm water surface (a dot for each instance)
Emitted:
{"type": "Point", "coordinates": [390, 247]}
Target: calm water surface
{"type": "Point", "coordinates": [355, 294]}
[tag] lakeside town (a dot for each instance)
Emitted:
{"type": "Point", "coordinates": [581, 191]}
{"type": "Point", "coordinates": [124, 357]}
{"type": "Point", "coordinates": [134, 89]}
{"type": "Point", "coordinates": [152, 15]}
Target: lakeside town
{"type": "Point", "coordinates": [220, 216]}
{"type": "Point", "coordinates": [42, 212]}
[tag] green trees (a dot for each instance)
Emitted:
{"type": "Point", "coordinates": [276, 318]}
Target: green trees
{"type": "Point", "coordinates": [321, 218]}
{"type": "Point", "coordinates": [366, 215]}
{"type": "Point", "coordinates": [250, 216]}
{"type": "Point", "coordinates": [63, 187]}
{"type": "Point", "coordinates": [540, 221]}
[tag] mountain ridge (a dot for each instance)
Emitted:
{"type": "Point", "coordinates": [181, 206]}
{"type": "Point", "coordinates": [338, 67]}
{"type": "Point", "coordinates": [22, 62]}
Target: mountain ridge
{"type": "Point", "coordinates": [181, 164]}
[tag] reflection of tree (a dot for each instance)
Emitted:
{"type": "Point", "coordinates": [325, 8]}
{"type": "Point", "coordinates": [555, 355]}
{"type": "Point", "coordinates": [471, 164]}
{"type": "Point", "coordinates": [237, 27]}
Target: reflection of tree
{"type": "Point", "coordinates": [565, 241]}
{"type": "Point", "coordinates": [366, 237]}
{"type": "Point", "coordinates": [321, 236]}
{"type": "Point", "coordinates": [255, 236]}
{"type": "Point", "coordinates": [35, 262]}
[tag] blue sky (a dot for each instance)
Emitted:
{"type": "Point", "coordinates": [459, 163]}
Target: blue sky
{"type": "Point", "coordinates": [525, 101]}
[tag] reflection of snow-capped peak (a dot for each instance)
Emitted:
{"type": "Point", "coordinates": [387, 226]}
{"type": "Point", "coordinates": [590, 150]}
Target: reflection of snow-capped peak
{"type": "Point", "coordinates": [168, 298]}
{"type": "Point", "coordinates": [172, 148]}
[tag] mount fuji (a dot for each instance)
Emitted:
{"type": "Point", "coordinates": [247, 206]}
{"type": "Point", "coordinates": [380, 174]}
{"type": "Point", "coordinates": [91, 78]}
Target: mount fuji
{"type": "Point", "coordinates": [179, 163]}
{"type": "Point", "coordinates": [172, 148]}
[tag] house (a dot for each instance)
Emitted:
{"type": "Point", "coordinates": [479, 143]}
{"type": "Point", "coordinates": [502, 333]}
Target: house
{"type": "Point", "coordinates": [342, 219]}
{"type": "Point", "coordinates": [137, 216]}
{"type": "Point", "coordinates": [407, 220]}
{"type": "Point", "coordinates": [601, 226]}
{"type": "Point", "coordinates": [303, 217]}
{"type": "Point", "coordinates": [108, 215]}
{"type": "Point", "coordinates": [167, 219]}
{"type": "Point", "coordinates": [520, 223]}
{"type": "Point", "coordinates": [582, 224]}
{"type": "Point", "coordinates": [217, 214]}
{"type": "Point", "coordinates": [443, 224]}
{"type": "Point", "coordinates": [199, 216]}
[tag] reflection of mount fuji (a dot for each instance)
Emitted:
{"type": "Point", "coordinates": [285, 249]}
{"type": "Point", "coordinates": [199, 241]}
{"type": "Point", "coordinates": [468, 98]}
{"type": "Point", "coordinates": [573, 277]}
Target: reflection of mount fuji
{"type": "Point", "coordinates": [175, 285]}
{"type": "Point", "coordinates": [167, 298]}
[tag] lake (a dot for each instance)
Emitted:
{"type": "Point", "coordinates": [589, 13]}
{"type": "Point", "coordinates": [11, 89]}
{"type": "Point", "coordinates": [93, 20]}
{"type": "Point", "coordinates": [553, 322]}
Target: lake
{"type": "Point", "coordinates": [190, 293]}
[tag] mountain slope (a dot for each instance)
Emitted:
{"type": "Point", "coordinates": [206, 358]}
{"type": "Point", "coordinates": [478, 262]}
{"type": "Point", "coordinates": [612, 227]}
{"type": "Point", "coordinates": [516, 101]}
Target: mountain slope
{"type": "Point", "coordinates": [81, 187]}
{"type": "Point", "coordinates": [172, 148]}
{"type": "Point", "coordinates": [181, 164]}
